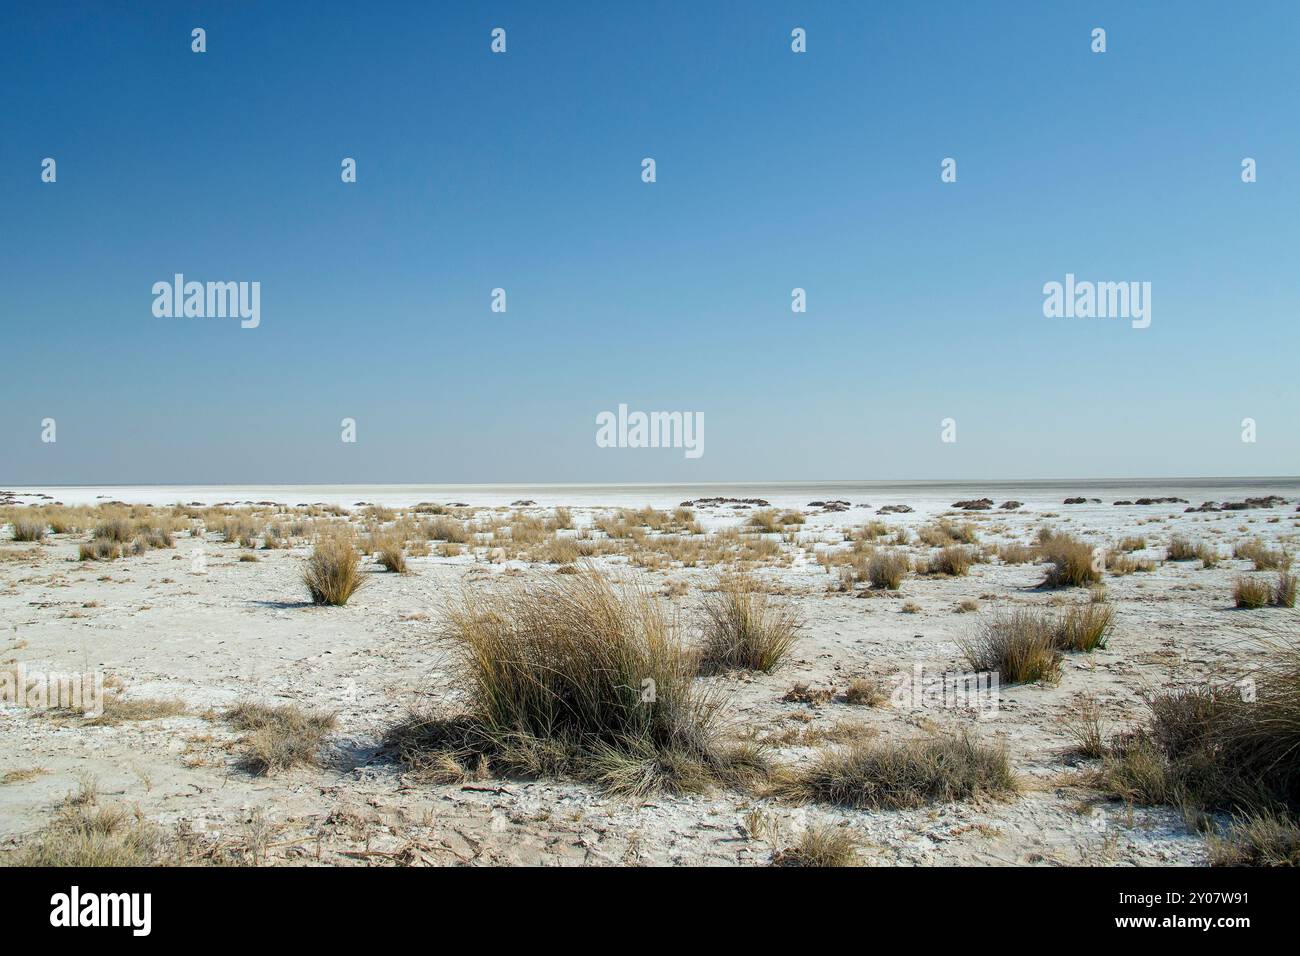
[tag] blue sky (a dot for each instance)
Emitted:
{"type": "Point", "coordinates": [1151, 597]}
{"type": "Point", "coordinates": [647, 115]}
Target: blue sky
{"type": "Point", "coordinates": [522, 171]}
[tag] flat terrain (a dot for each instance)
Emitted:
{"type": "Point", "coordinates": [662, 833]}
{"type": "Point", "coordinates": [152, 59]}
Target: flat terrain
{"type": "Point", "coordinates": [212, 631]}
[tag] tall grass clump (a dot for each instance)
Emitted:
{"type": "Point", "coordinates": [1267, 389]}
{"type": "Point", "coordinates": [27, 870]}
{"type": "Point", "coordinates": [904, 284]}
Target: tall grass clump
{"type": "Point", "coordinates": [568, 676]}
{"type": "Point", "coordinates": [333, 571]}
{"type": "Point", "coordinates": [743, 629]}
{"type": "Point", "coordinates": [1220, 747]}
{"type": "Point", "coordinates": [1019, 645]}
{"type": "Point", "coordinates": [880, 775]}
{"type": "Point", "coordinates": [1071, 561]}
{"type": "Point", "coordinates": [886, 569]}
{"type": "Point", "coordinates": [27, 529]}
{"type": "Point", "coordinates": [1250, 593]}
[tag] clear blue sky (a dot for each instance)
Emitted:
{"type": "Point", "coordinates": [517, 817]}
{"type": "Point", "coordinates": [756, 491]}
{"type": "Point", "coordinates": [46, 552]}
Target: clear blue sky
{"type": "Point", "coordinates": [522, 171]}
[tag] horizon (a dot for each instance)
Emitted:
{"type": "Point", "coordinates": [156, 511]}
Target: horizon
{"type": "Point", "coordinates": [945, 330]}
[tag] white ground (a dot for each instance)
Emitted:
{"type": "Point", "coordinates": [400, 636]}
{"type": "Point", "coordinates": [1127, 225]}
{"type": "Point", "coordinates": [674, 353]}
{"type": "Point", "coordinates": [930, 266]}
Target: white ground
{"type": "Point", "coordinates": [242, 631]}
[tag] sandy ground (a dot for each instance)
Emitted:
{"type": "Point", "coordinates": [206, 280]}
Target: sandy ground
{"type": "Point", "coordinates": [235, 631]}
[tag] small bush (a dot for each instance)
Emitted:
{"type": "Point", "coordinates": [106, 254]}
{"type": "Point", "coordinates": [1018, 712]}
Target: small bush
{"type": "Point", "coordinates": [390, 552]}
{"type": "Point", "coordinates": [569, 677]}
{"type": "Point", "coordinates": [953, 560]}
{"type": "Point", "coordinates": [99, 549]}
{"type": "Point", "coordinates": [886, 569]}
{"type": "Point", "coordinates": [333, 572]}
{"type": "Point", "coordinates": [1251, 593]}
{"type": "Point", "coordinates": [1180, 549]}
{"type": "Point", "coordinates": [1084, 627]}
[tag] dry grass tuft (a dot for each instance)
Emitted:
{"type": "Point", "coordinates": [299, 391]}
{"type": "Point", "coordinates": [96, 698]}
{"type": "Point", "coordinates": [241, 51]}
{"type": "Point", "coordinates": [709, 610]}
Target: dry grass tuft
{"type": "Point", "coordinates": [820, 846]}
{"type": "Point", "coordinates": [26, 529]}
{"type": "Point", "coordinates": [1264, 838]}
{"type": "Point", "coordinates": [1071, 559]}
{"type": "Point", "coordinates": [878, 775]}
{"type": "Point", "coordinates": [743, 629]}
{"type": "Point", "coordinates": [567, 676]}
{"type": "Point", "coordinates": [333, 572]}
{"type": "Point", "coordinates": [886, 569]}
{"type": "Point", "coordinates": [1019, 645]}
{"type": "Point", "coordinates": [278, 738]}
{"type": "Point", "coordinates": [1252, 593]}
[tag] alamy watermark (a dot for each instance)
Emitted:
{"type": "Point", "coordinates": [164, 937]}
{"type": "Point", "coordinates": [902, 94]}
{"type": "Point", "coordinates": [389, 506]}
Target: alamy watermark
{"type": "Point", "coordinates": [210, 300]}
{"type": "Point", "coordinates": [1098, 300]}
{"type": "Point", "coordinates": [977, 691]}
{"type": "Point", "coordinates": [39, 691]}
{"type": "Point", "coordinates": [651, 430]}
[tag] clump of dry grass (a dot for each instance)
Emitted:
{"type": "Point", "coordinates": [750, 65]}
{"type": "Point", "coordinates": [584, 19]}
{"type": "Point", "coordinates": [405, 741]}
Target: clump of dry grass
{"type": "Point", "coordinates": [99, 549]}
{"type": "Point", "coordinates": [953, 560]}
{"type": "Point", "coordinates": [278, 738]}
{"type": "Point", "coordinates": [820, 846]}
{"type": "Point", "coordinates": [1086, 727]}
{"type": "Point", "coordinates": [85, 834]}
{"type": "Point", "coordinates": [1017, 553]}
{"type": "Point", "coordinates": [1019, 645]}
{"type": "Point", "coordinates": [1263, 557]}
{"type": "Point", "coordinates": [27, 529]}
{"type": "Point", "coordinates": [567, 676]}
{"type": "Point", "coordinates": [865, 693]}
{"type": "Point", "coordinates": [1251, 593]}
{"type": "Point", "coordinates": [1084, 627]}
{"type": "Point", "coordinates": [944, 532]}
{"type": "Point", "coordinates": [1261, 838]}
{"type": "Point", "coordinates": [880, 775]}
{"type": "Point", "coordinates": [1181, 549]}
{"type": "Point", "coordinates": [1217, 747]}
{"type": "Point", "coordinates": [886, 569]}
{"type": "Point", "coordinates": [389, 549]}
{"type": "Point", "coordinates": [333, 571]}
{"type": "Point", "coordinates": [743, 629]}
{"type": "Point", "coordinates": [1072, 562]}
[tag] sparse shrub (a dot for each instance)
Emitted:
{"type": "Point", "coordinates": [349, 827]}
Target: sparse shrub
{"type": "Point", "coordinates": [1019, 645]}
{"type": "Point", "coordinates": [743, 629]}
{"type": "Point", "coordinates": [333, 571]}
{"type": "Point", "coordinates": [1264, 558]}
{"type": "Point", "coordinates": [1250, 593]}
{"type": "Point", "coordinates": [1181, 549]}
{"type": "Point", "coordinates": [865, 693]}
{"type": "Point", "coordinates": [26, 529]}
{"type": "Point", "coordinates": [390, 552]}
{"type": "Point", "coordinates": [886, 569]}
{"type": "Point", "coordinates": [1215, 747]}
{"type": "Point", "coordinates": [1260, 838]}
{"type": "Point", "coordinates": [1084, 627]}
{"type": "Point", "coordinates": [278, 738]}
{"type": "Point", "coordinates": [1071, 561]}
{"type": "Point", "coordinates": [953, 560]}
{"type": "Point", "coordinates": [880, 775]}
{"type": "Point", "coordinates": [1137, 543]}
{"type": "Point", "coordinates": [567, 676]}
{"type": "Point", "coordinates": [1017, 553]}
{"type": "Point", "coordinates": [1085, 726]}
{"type": "Point", "coordinates": [99, 549]}
{"type": "Point", "coordinates": [820, 846]}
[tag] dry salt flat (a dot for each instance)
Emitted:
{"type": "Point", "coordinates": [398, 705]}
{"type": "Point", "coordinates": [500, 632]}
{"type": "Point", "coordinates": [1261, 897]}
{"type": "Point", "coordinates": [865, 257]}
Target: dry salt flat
{"type": "Point", "coordinates": [225, 631]}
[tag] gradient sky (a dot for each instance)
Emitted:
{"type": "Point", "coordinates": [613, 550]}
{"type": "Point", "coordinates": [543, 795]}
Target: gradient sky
{"type": "Point", "coordinates": [522, 171]}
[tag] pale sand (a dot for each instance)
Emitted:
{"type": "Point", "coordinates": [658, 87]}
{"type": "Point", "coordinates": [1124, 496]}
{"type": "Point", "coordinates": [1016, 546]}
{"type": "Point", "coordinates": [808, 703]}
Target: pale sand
{"type": "Point", "coordinates": [241, 631]}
